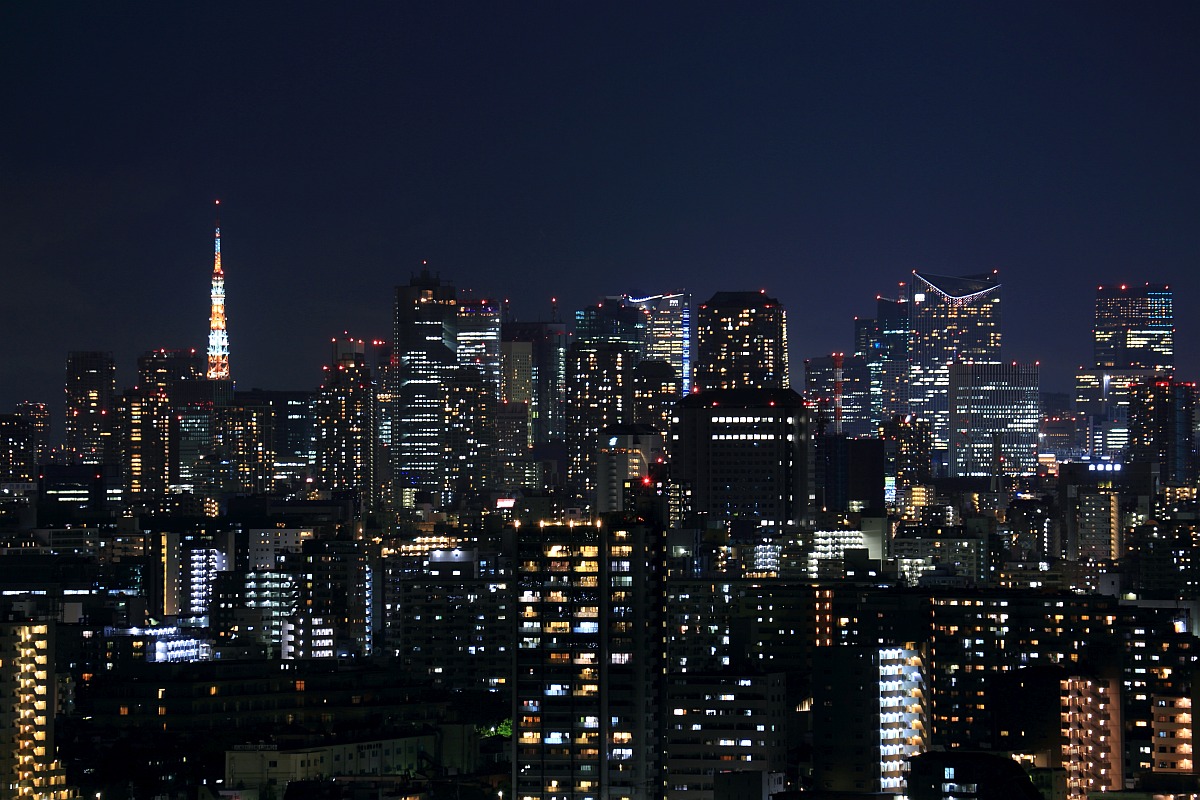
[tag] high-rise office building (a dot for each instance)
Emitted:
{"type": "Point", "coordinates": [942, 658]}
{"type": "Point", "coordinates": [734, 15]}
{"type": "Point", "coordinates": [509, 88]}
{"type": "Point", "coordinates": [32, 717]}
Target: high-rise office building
{"type": "Point", "coordinates": [1133, 337]}
{"type": "Point", "coordinates": [669, 332]}
{"type": "Point", "coordinates": [614, 321]}
{"type": "Point", "coordinates": [838, 389]}
{"type": "Point", "coordinates": [424, 354]}
{"type": "Point", "coordinates": [167, 370]}
{"type": "Point", "coordinates": [1135, 327]}
{"type": "Point", "coordinates": [534, 371]}
{"type": "Point", "coordinates": [882, 342]}
{"type": "Point", "coordinates": [1162, 429]}
{"type": "Point", "coordinates": [587, 692]}
{"type": "Point", "coordinates": [599, 396]}
{"type": "Point", "coordinates": [625, 455]}
{"type": "Point", "coordinates": [344, 418]}
{"type": "Point", "coordinates": [741, 455]}
{"type": "Point", "coordinates": [91, 391]}
{"type": "Point", "coordinates": [741, 342]}
{"type": "Point", "coordinates": [479, 339]}
{"type": "Point", "coordinates": [38, 415]}
{"type": "Point", "coordinates": [951, 319]}
{"type": "Point", "coordinates": [994, 419]}
{"type": "Point", "coordinates": [293, 430]}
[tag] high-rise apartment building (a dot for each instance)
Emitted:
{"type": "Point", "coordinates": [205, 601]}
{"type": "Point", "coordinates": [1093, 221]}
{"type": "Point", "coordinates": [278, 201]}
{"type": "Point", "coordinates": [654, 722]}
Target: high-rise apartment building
{"type": "Point", "coordinates": [587, 693]}
{"type": "Point", "coordinates": [994, 419]}
{"type": "Point", "coordinates": [470, 437]}
{"type": "Point", "coordinates": [18, 463]}
{"type": "Point", "coordinates": [28, 766]}
{"type": "Point", "coordinates": [870, 716]}
{"type": "Point", "coordinates": [741, 342]}
{"type": "Point", "coordinates": [950, 319]}
{"type": "Point", "coordinates": [721, 723]}
{"type": "Point", "coordinates": [655, 392]}
{"type": "Point", "coordinates": [90, 420]}
{"type": "Point", "coordinates": [344, 417]}
{"type": "Point", "coordinates": [242, 437]}
{"type": "Point", "coordinates": [424, 354]}
{"type": "Point", "coordinates": [143, 417]}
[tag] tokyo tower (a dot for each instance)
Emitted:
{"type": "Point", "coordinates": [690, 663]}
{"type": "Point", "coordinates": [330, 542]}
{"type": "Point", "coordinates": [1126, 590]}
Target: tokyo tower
{"type": "Point", "coordinates": [218, 336]}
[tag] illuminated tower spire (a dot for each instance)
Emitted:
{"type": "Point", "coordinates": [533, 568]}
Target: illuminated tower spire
{"type": "Point", "coordinates": [218, 337]}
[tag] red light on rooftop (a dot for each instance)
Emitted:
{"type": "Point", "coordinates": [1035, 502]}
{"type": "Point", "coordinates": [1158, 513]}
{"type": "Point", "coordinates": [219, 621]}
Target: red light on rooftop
{"type": "Point", "coordinates": [646, 481]}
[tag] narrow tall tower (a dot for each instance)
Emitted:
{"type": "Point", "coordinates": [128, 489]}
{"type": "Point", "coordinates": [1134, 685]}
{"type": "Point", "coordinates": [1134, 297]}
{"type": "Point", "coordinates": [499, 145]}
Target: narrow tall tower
{"type": "Point", "coordinates": [218, 336]}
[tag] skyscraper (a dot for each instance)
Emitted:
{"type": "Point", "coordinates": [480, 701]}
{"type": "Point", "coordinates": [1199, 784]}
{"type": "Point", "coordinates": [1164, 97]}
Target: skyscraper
{"type": "Point", "coordinates": [534, 372]}
{"type": "Point", "coordinates": [343, 412]}
{"type": "Point", "coordinates": [479, 339]}
{"type": "Point", "coordinates": [838, 388]}
{"type": "Point", "coordinates": [614, 321]}
{"type": "Point", "coordinates": [18, 462]}
{"type": "Point", "coordinates": [38, 415]}
{"type": "Point", "coordinates": [994, 419]}
{"type": "Point", "coordinates": [470, 436]}
{"type": "Point", "coordinates": [1133, 338]}
{"type": "Point", "coordinates": [166, 370]}
{"type": "Point", "coordinates": [424, 354]}
{"type": "Point", "coordinates": [1135, 327]}
{"type": "Point", "coordinates": [669, 332]}
{"type": "Point", "coordinates": [218, 336]}
{"type": "Point", "coordinates": [741, 342]}
{"type": "Point", "coordinates": [950, 319]}
{"type": "Point", "coordinates": [91, 389]}
{"type": "Point", "coordinates": [27, 751]}
{"type": "Point", "coordinates": [587, 695]}
{"type": "Point", "coordinates": [1161, 429]}
{"type": "Point", "coordinates": [599, 395]}
{"type": "Point", "coordinates": [882, 342]}
{"type": "Point", "coordinates": [741, 455]}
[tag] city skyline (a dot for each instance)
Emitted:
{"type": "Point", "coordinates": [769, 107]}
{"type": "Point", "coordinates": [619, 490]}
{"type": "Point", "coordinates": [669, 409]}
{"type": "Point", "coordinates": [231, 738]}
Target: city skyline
{"type": "Point", "coordinates": [797, 149]}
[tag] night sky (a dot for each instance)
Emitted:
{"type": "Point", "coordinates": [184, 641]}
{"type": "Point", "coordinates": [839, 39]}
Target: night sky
{"type": "Point", "coordinates": [821, 151]}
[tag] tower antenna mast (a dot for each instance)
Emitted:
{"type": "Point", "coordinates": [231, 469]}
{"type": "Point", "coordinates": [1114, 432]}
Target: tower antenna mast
{"type": "Point", "coordinates": [218, 336]}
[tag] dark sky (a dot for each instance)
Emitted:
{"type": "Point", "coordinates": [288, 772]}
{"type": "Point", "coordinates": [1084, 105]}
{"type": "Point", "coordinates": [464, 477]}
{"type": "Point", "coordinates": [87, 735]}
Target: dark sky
{"type": "Point", "coordinates": [821, 151]}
